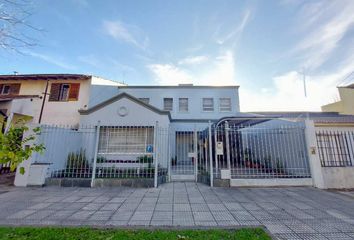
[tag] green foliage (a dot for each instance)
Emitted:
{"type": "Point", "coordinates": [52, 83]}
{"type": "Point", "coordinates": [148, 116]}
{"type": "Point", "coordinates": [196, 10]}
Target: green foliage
{"type": "Point", "coordinates": [100, 159]}
{"type": "Point", "coordinates": [77, 160]}
{"type": "Point", "coordinates": [14, 148]}
{"type": "Point", "coordinates": [145, 159]}
{"type": "Point", "coordinates": [56, 233]}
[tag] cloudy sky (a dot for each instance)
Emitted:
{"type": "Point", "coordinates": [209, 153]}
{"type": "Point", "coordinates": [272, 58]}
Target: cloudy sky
{"type": "Point", "coordinates": [265, 47]}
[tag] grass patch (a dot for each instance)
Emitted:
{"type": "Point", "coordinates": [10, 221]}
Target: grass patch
{"type": "Point", "coordinates": [53, 233]}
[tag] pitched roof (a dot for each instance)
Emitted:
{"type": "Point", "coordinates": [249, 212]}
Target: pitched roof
{"type": "Point", "coordinates": [317, 117]}
{"type": "Point", "coordinates": [120, 96]}
{"type": "Point", "coordinates": [45, 77]}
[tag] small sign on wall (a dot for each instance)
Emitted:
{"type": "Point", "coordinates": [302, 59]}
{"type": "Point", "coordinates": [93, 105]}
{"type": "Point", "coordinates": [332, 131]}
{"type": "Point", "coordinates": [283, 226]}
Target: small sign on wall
{"type": "Point", "coordinates": [219, 148]}
{"type": "Point", "coordinates": [313, 150]}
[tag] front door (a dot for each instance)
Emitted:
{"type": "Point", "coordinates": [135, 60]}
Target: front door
{"type": "Point", "coordinates": [183, 164]}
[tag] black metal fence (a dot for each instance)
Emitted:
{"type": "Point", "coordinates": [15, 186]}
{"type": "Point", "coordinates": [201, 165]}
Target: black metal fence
{"type": "Point", "coordinates": [336, 148]}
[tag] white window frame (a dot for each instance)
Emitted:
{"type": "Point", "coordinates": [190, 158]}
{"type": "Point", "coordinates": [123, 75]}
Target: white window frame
{"type": "Point", "coordinates": [208, 108]}
{"type": "Point", "coordinates": [179, 105]}
{"type": "Point", "coordinates": [223, 108]}
{"type": "Point", "coordinates": [164, 106]}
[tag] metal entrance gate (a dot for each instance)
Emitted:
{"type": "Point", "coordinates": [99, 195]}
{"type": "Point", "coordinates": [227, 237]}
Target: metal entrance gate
{"type": "Point", "coordinates": [260, 151]}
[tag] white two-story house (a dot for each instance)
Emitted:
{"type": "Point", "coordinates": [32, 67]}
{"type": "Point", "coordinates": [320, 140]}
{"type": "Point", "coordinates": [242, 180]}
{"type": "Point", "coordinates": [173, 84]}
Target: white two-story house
{"type": "Point", "coordinates": [129, 114]}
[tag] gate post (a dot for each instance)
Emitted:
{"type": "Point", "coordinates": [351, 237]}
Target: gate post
{"type": "Point", "coordinates": [313, 157]}
{"type": "Point", "coordinates": [211, 157]}
{"type": "Point", "coordinates": [155, 154]}
{"type": "Point", "coordinates": [95, 154]}
{"type": "Point", "coordinates": [227, 147]}
{"type": "Point", "coordinates": [195, 143]}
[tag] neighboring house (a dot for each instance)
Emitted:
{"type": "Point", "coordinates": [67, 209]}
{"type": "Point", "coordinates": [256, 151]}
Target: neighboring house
{"type": "Point", "coordinates": [329, 120]}
{"type": "Point", "coordinates": [48, 98]}
{"type": "Point", "coordinates": [346, 103]}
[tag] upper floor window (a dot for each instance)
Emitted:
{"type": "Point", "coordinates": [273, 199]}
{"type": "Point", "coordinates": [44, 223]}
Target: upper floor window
{"type": "Point", "coordinates": [183, 104]}
{"type": "Point", "coordinates": [208, 104]}
{"type": "Point", "coordinates": [168, 104]}
{"type": "Point", "coordinates": [64, 92]}
{"type": "Point", "coordinates": [10, 89]}
{"type": "Point", "coordinates": [145, 100]}
{"type": "Point", "coordinates": [225, 104]}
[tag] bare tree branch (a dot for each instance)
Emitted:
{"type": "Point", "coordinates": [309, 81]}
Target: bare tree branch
{"type": "Point", "coordinates": [14, 22]}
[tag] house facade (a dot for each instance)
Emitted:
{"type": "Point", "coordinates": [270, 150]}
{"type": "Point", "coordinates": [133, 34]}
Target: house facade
{"type": "Point", "coordinates": [181, 110]}
{"type": "Point", "coordinates": [346, 103]}
{"type": "Point", "coordinates": [47, 98]}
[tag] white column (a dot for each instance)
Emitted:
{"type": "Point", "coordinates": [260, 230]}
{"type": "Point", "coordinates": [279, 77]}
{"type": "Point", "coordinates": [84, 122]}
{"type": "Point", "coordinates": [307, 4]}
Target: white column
{"type": "Point", "coordinates": [195, 154]}
{"type": "Point", "coordinates": [155, 149]}
{"type": "Point", "coordinates": [211, 157]}
{"type": "Point", "coordinates": [21, 180]}
{"type": "Point", "coordinates": [314, 160]}
{"type": "Point", "coordinates": [96, 153]}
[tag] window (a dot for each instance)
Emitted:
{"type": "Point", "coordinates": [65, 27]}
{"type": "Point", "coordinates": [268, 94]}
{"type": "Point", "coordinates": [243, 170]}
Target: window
{"type": "Point", "coordinates": [64, 92]}
{"type": "Point", "coordinates": [208, 104]}
{"type": "Point", "coordinates": [125, 140]}
{"type": "Point", "coordinates": [225, 105]}
{"type": "Point", "coordinates": [168, 104]}
{"type": "Point", "coordinates": [5, 90]}
{"type": "Point", "coordinates": [10, 89]}
{"type": "Point", "coordinates": [183, 105]}
{"type": "Point", "coordinates": [145, 100]}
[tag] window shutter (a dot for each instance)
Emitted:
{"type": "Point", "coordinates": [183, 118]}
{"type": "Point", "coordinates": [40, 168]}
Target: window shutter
{"type": "Point", "coordinates": [74, 91]}
{"type": "Point", "coordinates": [15, 88]}
{"type": "Point", "coordinates": [54, 92]}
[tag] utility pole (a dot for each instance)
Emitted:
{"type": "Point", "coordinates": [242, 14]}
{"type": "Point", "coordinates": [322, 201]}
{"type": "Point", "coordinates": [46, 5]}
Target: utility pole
{"type": "Point", "coordinates": [305, 92]}
{"type": "Point", "coordinates": [43, 102]}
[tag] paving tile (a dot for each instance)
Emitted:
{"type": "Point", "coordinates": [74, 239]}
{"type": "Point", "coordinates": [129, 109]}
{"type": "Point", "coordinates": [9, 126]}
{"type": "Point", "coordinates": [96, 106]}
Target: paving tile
{"type": "Point", "coordinates": [142, 216]}
{"type": "Point", "coordinates": [162, 215]}
{"type": "Point", "coordinates": [101, 215]}
{"type": "Point", "coordinates": [288, 236]}
{"type": "Point", "coordinates": [223, 216]}
{"type": "Point", "coordinates": [234, 206]}
{"type": "Point", "coordinates": [40, 206]}
{"type": "Point", "coordinates": [338, 236]}
{"type": "Point", "coordinates": [161, 222]}
{"type": "Point", "coordinates": [180, 207]}
{"type": "Point", "coordinates": [139, 222]}
{"type": "Point", "coordinates": [39, 215]}
{"type": "Point", "coordinates": [21, 214]}
{"type": "Point", "coordinates": [117, 223]}
{"type": "Point", "coordinates": [122, 216]}
{"type": "Point", "coordinates": [243, 216]}
{"type": "Point", "coordinates": [164, 207]}
{"type": "Point", "coordinates": [111, 206]}
{"type": "Point", "coordinates": [92, 206]}
{"type": "Point", "coordinates": [203, 216]}
{"type": "Point", "coordinates": [216, 207]}
{"type": "Point", "coordinates": [117, 200]}
{"type": "Point", "coordinates": [200, 207]}
{"type": "Point", "coordinates": [59, 215]}
{"type": "Point", "coordinates": [81, 215]}
{"type": "Point", "coordinates": [86, 199]}
{"type": "Point", "coordinates": [278, 228]}
{"type": "Point", "coordinates": [206, 223]}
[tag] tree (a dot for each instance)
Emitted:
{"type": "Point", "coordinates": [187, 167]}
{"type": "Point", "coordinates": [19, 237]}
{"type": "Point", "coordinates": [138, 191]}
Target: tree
{"type": "Point", "coordinates": [15, 148]}
{"type": "Point", "coordinates": [14, 22]}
